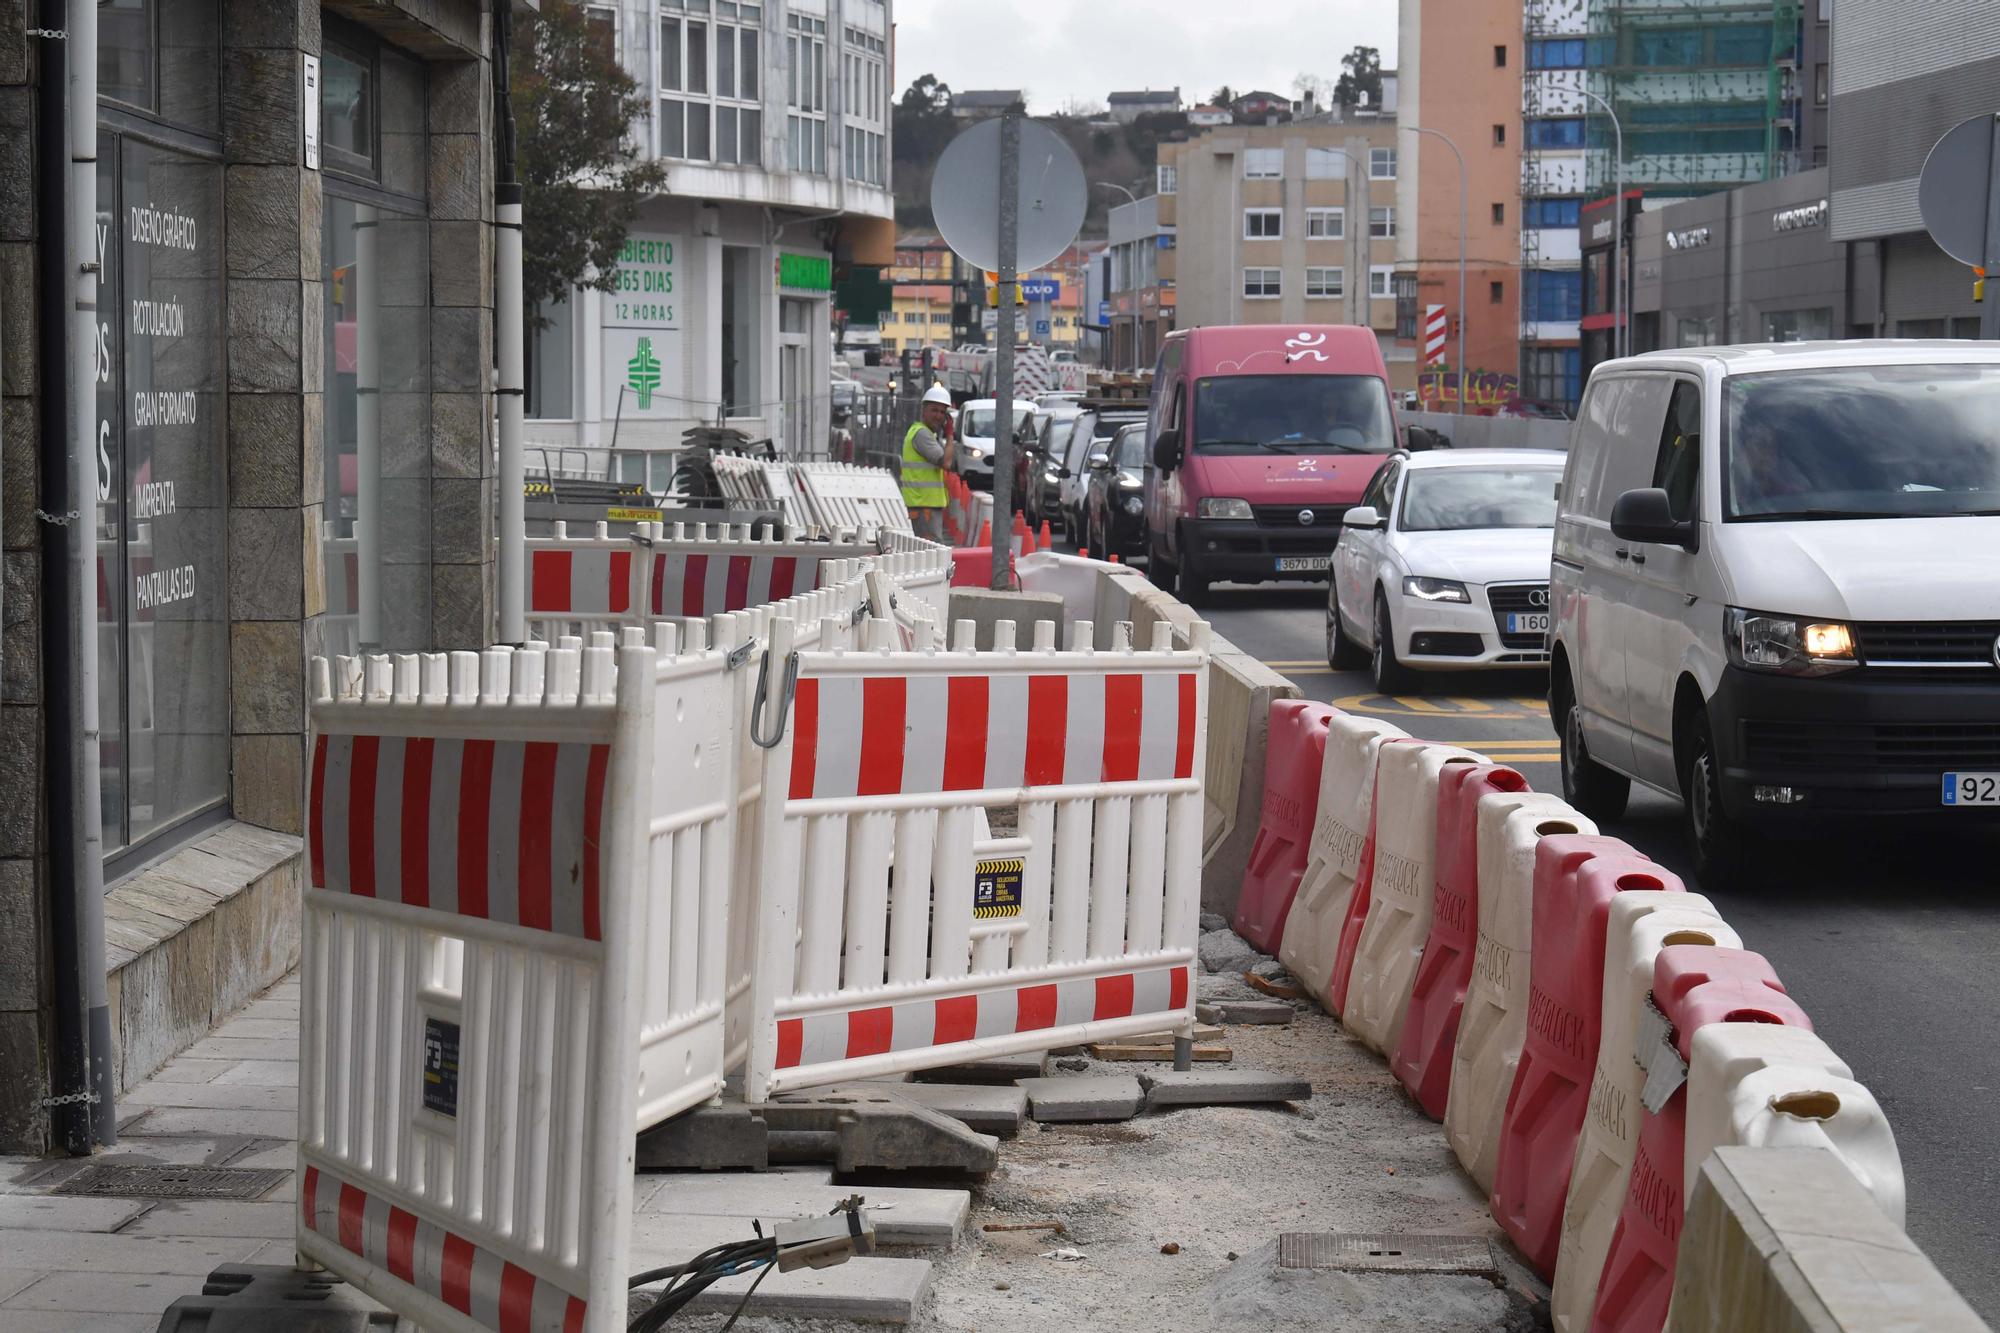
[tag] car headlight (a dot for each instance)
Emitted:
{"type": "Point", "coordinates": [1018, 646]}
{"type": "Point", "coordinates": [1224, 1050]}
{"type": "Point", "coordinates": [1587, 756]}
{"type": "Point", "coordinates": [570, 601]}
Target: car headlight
{"type": "Point", "coordinates": [1135, 504]}
{"type": "Point", "coordinates": [1223, 507]}
{"type": "Point", "coordinates": [974, 452]}
{"type": "Point", "coordinates": [1436, 590]}
{"type": "Point", "coordinates": [1788, 645]}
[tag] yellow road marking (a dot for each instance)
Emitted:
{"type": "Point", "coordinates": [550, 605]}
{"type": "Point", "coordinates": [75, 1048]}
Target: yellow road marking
{"type": "Point", "coordinates": [1310, 663]}
{"type": "Point", "coordinates": [1406, 705]}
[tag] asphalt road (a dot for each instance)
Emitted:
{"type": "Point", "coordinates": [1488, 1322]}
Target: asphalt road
{"type": "Point", "coordinates": [1889, 936]}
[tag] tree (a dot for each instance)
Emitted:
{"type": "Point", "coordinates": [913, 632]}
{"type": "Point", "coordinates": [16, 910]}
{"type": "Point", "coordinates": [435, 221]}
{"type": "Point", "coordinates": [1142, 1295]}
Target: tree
{"type": "Point", "coordinates": [1081, 108]}
{"type": "Point", "coordinates": [1222, 97]}
{"type": "Point", "coordinates": [1360, 79]}
{"type": "Point", "coordinates": [925, 96]}
{"type": "Point", "coordinates": [1315, 88]}
{"type": "Point", "coordinates": [581, 180]}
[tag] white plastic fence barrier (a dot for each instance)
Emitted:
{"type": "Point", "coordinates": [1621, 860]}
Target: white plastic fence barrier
{"type": "Point", "coordinates": [1642, 923]}
{"type": "Point", "coordinates": [585, 583]}
{"type": "Point", "coordinates": [470, 983]}
{"type": "Point", "coordinates": [891, 934]}
{"type": "Point", "coordinates": [841, 496]}
{"type": "Point", "coordinates": [1766, 1086]}
{"type": "Point", "coordinates": [763, 482]}
{"type": "Point", "coordinates": [1340, 831]}
{"type": "Point", "coordinates": [1494, 1023]}
{"type": "Point", "coordinates": [1401, 890]}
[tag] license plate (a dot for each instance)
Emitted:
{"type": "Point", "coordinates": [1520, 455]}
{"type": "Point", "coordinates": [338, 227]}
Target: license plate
{"type": "Point", "coordinates": [1291, 564]}
{"type": "Point", "coordinates": [1972, 789]}
{"type": "Point", "coordinates": [1536, 622]}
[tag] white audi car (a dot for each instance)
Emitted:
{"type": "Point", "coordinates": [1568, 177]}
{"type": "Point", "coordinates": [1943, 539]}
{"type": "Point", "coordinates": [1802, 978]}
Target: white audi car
{"type": "Point", "coordinates": [1443, 565]}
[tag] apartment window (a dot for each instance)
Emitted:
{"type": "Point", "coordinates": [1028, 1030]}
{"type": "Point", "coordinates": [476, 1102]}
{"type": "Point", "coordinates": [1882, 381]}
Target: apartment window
{"type": "Point", "coordinates": [1499, 57]}
{"type": "Point", "coordinates": [1406, 305]}
{"type": "Point", "coordinates": [1326, 224]}
{"type": "Point", "coordinates": [1553, 373]}
{"type": "Point", "coordinates": [1382, 223]}
{"type": "Point", "coordinates": [1166, 178]}
{"type": "Point", "coordinates": [866, 137]}
{"type": "Point", "coordinates": [602, 21]}
{"type": "Point", "coordinates": [1551, 295]}
{"type": "Point", "coordinates": [1556, 53]}
{"type": "Point", "coordinates": [1499, 136]}
{"type": "Point", "coordinates": [1325, 283]}
{"type": "Point", "coordinates": [1496, 293]}
{"type": "Point", "coordinates": [1263, 224]}
{"type": "Point", "coordinates": [1382, 164]}
{"type": "Point", "coordinates": [1557, 132]}
{"type": "Point", "coordinates": [1261, 284]}
{"type": "Point", "coordinates": [1550, 212]}
{"type": "Point", "coordinates": [1381, 281]}
{"type": "Point", "coordinates": [1499, 215]}
{"type": "Point", "coordinates": [1263, 164]}
{"type": "Point", "coordinates": [1326, 164]}
{"type": "Point", "coordinates": [1819, 85]}
{"type": "Point", "coordinates": [1826, 11]}
{"type": "Point", "coordinates": [805, 59]}
{"type": "Point", "coordinates": [712, 107]}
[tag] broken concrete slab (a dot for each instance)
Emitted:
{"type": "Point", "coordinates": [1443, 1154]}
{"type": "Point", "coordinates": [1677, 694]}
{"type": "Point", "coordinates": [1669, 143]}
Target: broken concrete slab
{"type": "Point", "coordinates": [1214, 921]}
{"type": "Point", "coordinates": [1226, 951]}
{"type": "Point", "coordinates": [1002, 1069]}
{"type": "Point", "coordinates": [1092, 1097]}
{"type": "Point", "coordinates": [1220, 1087]}
{"type": "Point", "coordinates": [990, 1109]}
{"type": "Point", "coordinates": [865, 1126]}
{"type": "Point", "coordinates": [867, 1288]}
{"type": "Point", "coordinates": [1248, 1012]}
{"type": "Point", "coordinates": [901, 1216]}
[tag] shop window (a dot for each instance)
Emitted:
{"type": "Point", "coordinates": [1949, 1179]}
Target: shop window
{"type": "Point", "coordinates": [162, 58]}
{"type": "Point", "coordinates": [739, 331]}
{"type": "Point", "coordinates": [163, 616]}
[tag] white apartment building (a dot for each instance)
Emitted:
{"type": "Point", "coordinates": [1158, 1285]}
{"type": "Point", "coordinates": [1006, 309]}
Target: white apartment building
{"type": "Point", "coordinates": [773, 118]}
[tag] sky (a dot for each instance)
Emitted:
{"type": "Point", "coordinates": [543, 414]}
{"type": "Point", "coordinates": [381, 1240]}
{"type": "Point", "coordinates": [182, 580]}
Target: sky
{"type": "Point", "coordinates": [1065, 50]}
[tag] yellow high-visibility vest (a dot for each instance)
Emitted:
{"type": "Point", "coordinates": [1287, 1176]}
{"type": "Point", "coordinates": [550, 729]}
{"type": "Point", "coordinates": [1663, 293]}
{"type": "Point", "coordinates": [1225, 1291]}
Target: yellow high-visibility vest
{"type": "Point", "coordinates": [923, 481]}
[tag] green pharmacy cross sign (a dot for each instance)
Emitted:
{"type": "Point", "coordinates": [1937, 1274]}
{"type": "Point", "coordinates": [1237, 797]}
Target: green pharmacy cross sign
{"type": "Point", "coordinates": [642, 372]}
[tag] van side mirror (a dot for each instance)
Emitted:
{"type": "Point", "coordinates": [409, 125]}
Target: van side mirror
{"type": "Point", "coordinates": [1167, 450]}
{"type": "Point", "coordinates": [1647, 515]}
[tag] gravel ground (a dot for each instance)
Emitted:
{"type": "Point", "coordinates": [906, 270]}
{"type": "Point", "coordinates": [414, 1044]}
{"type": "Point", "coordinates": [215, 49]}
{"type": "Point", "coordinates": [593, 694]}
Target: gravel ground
{"type": "Point", "coordinates": [1221, 1183]}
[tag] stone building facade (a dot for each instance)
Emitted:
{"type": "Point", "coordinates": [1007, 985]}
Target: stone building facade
{"type": "Point", "coordinates": [295, 457]}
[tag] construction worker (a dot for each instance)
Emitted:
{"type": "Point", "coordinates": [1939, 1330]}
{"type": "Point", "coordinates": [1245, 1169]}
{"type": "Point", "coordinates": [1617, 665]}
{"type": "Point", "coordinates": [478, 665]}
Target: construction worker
{"type": "Point", "coordinates": [927, 452]}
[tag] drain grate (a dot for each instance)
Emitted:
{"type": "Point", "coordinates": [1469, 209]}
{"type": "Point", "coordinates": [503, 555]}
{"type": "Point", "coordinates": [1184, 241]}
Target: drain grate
{"type": "Point", "coordinates": [1384, 1252]}
{"type": "Point", "coordinates": [172, 1182]}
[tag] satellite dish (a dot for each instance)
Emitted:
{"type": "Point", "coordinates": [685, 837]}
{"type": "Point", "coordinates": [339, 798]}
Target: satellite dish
{"type": "Point", "coordinates": [965, 196]}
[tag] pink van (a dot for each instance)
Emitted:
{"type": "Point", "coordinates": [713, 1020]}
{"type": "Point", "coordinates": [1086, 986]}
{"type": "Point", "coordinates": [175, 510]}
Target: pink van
{"type": "Point", "coordinates": [1262, 436]}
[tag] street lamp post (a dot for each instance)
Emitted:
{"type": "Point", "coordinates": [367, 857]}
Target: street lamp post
{"type": "Point", "coordinates": [1462, 312]}
{"type": "Point", "coordinates": [1618, 339]}
{"type": "Point", "coordinates": [1132, 267]}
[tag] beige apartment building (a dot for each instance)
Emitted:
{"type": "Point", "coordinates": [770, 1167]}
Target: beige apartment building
{"type": "Point", "coordinates": [1286, 224]}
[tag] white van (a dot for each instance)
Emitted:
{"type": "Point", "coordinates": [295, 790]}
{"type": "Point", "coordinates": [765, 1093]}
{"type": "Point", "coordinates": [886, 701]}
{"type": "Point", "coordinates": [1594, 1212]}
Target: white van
{"type": "Point", "coordinates": [1776, 586]}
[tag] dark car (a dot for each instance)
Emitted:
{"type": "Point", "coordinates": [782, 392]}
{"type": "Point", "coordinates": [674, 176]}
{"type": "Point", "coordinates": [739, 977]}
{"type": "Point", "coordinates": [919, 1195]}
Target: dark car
{"type": "Point", "coordinates": [1089, 439]}
{"type": "Point", "coordinates": [1115, 499]}
{"type": "Point", "coordinates": [1038, 468]}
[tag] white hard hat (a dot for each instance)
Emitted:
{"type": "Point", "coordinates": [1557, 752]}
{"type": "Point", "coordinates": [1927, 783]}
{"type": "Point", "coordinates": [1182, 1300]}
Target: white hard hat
{"type": "Point", "coordinates": [936, 394]}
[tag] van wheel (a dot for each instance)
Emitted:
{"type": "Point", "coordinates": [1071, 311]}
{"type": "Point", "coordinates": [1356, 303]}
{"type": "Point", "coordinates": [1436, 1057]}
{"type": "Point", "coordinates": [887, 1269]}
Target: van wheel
{"type": "Point", "coordinates": [1588, 785]}
{"type": "Point", "coordinates": [1159, 570]}
{"type": "Point", "coordinates": [1722, 851]}
{"type": "Point", "coordinates": [1391, 676]}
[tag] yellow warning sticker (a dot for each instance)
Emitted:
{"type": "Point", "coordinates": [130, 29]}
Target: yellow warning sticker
{"type": "Point", "coordinates": [632, 515]}
{"type": "Point", "coordinates": [996, 889]}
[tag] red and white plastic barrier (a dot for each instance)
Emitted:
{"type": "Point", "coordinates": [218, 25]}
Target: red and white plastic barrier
{"type": "Point", "coordinates": [1518, 852]}
{"type": "Point", "coordinates": [1402, 885]}
{"type": "Point", "coordinates": [482, 1030]}
{"type": "Point", "coordinates": [1339, 835]}
{"type": "Point", "coordinates": [1637, 927]}
{"type": "Point", "coordinates": [892, 935]}
{"type": "Point", "coordinates": [1437, 992]}
{"type": "Point", "coordinates": [1545, 1109]}
{"type": "Point", "coordinates": [1294, 754]}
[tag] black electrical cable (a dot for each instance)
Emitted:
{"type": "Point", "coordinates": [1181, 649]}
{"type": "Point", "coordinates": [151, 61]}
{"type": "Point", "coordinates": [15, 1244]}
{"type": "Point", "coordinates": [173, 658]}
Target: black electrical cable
{"type": "Point", "coordinates": [690, 1279]}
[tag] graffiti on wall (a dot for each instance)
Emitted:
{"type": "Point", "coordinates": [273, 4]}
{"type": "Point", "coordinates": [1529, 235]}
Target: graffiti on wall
{"type": "Point", "coordinates": [1484, 388]}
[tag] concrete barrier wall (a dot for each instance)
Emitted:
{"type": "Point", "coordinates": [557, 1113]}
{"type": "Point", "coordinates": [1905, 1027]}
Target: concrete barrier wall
{"type": "Point", "coordinates": [1471, 432]}
{"type": "Point", "coordinates": [1784, 1240]}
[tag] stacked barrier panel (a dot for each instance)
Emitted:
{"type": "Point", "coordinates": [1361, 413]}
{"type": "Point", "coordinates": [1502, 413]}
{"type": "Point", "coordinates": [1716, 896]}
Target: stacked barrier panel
{"type": "Point", "coordinates": [892, 935]}
{"type": "Point", "coordinates": [474, 1051]}
{"type": "Point", "coordinates": [842, 496]}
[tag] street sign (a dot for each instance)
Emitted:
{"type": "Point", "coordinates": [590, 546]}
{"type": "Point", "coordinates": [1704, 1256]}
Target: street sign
{"type": "Point", "coordinates": [1041, 289]}
{"type": "Point", "coordinates": [1041, 328]}
{"type": "Point", "coordinates": [1051, 196]}
{"type": "Point", "coordinates": [1954, 193]}
{"type": "Point", "coordinates": [1104, 312]}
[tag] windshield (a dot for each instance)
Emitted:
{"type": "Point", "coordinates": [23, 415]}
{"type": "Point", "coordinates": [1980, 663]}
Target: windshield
{"type": "Point", "coordinates": [979, 420]}
{"type": "Point", "coordinates": [1862, 442]}
{"type": "Point", "coordinates": [1450, 499]}
{"type": "Point", "coordinates": [1058, 438]}
{"type": "Point", "coordinates": [1293, 414]}
{"type": "Point", "coordinates": [1130, 449]}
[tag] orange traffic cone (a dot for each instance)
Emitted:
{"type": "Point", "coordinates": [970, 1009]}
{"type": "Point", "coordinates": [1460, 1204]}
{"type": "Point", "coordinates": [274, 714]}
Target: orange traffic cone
{"type": "Point", "coordinates": [1083, 552]}
{"type": "Point", "coordinates": [1114, 557]}
{"type": "Point", "coordinates": [985, 535]}
{"type": "Point", "coordinates": [1024, 540]}
{"type": "Point", "coordinates": [1047, 541]}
